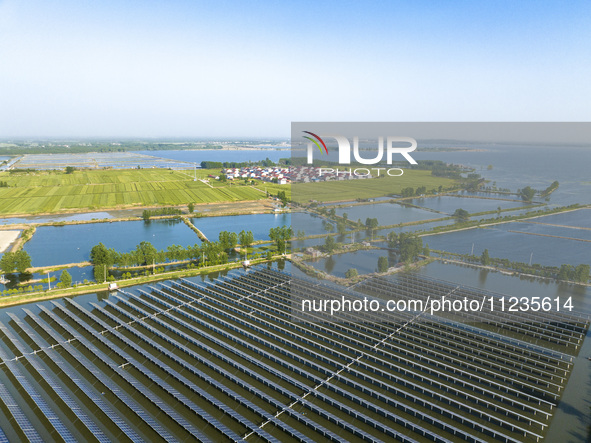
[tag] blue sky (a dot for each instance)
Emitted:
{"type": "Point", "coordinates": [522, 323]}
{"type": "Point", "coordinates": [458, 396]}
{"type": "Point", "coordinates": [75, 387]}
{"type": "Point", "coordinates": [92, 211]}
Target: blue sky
{"type": "Point", "coordinates": [229, 68]}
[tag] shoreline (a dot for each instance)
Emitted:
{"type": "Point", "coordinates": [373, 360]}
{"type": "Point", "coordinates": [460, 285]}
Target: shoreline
{"type": "Point", "coordinates": [19, 299]}
{"type": "Point", "coordinates": [7, 238]}
{"type": "Point", "coordinates": [132, 208]}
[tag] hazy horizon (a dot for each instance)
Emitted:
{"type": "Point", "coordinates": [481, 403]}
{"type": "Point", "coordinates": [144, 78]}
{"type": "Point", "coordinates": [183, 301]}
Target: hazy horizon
{"type": "Point", "coordinates": [124, 69]}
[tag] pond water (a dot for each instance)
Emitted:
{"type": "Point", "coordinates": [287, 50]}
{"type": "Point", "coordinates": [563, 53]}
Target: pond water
{"type": "Point", "coordinates": [387, 213]}
{"type": "Point", "coordinates": [220, 155]}
{"type": "Point", "coordinates": [54, 245]}
{"type": "Point", "coordinates": [377, 199]}
{"type": "Point", "coordinates": [508, 284]}
{"type": "Point", "coordinates": [448, 204]}
{"type": "Point", "coordinates": [570, 423]}
{"type": "Point", "coordinates": [87, 216]}
{"type": "Point", "coordinates": [517, 166]}
{"type": "Point", "coordinates": [87, 273]}
{"type": "Point", "coordinates": [415, 228]}
{"type": "Point", "coordinates": [568, 233]}
{"type": "Point", "coordinates": [500, 243]}
{"type": "Point", "coordinates": [365, 261]}
{"type": "Point", "coordinates": [580, 217]}
{"type": "Point", "coordinates": [259, 224]}
{"type": "Point", "coordinates": [78, 276]}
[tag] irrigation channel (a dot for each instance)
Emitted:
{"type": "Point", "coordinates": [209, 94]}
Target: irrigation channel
{"type": "Point", "coordinates": [233, 360]}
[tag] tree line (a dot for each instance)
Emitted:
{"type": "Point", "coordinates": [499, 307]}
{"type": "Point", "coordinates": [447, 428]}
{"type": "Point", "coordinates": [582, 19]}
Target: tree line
{"type": "Point", "coordinates": [206, 164]}
{"type": "Point", "coordinates": [207, 253]}
{"type": "Point", "coordinates": [566, 272]}
{"type": "Point", "coordinates": [18, 261]}
{"type": "Point", "coordinates": [147, 213]}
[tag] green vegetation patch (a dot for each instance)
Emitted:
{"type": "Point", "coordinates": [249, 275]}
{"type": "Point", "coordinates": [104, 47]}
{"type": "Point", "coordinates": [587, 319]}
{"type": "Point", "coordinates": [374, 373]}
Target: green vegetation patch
{"type": "Point", "coordinates": [50, 191]}
{"type": "Point", "coordinates": [368, 188]}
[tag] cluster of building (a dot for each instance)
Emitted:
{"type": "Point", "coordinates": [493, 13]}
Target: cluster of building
{"type": "Point", "coordinates": [301, 174]}
{"type": "Point", "coordinates": [271, 174]}
{"type": "Point", "coordinates": [306, 174]}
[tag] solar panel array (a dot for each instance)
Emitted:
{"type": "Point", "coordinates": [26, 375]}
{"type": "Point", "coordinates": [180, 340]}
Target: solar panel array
{"type": "Point", "coordinates": [228, 361]}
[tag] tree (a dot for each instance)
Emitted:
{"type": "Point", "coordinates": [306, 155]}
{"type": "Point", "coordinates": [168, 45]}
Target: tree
{"type": "Point", "coordinates": [410, 246]}
{"type": "Point", "coordinates": [281, 235]}
{"type": "Point", "coordinates": [19, 261]}
{"type": "Point", "coordinates": [329, 244]}
{"type": "Point", "coordinates": [146, 215]}
{"type": "Point", "coordinates": [407, 192]}
{"type": "Point", "coordinates": [224, 239]}
{"type": "Point", "coordinates": [421, 190]}
{"type": "Point", "coordinates": [8, 262]}
{"type": "Point", "coordinates": [566, 272]}
{"type": "Point", "coordinates": [371, 223]}
{"type": "Point", "coordinates": [233, 239]}
{"type": "Point", "coordinates": [351, 273]}
{"type": "Point", "coordinates": [383, 264]}
{"type": "Point", "coordinates": [582, 273]}
{"type": "Point", "coordinates": [191, 207]}
{"type": "Point", "coordinates": [284, 200]}
{"type": "Point", "coordinates": [23, 261]}
{"type": "Point", "coordinates": [99, 254]}
{"type": "Point", "coordinates": [461, 215]}
{"type": "Point", "coordinates": [392, 239]}
{"type": "Point", "coordinates": [70, 169]}
{"type": "Point", "coordinates": [65, 279]}
{"type": "Point", "coordinates": [146, 252]}
{"type": "Point", "coordinates": [102, 259]}
{"type": "Point", "coordinates": [246, 239]}
{"type": "Point", "coordinates": [527, 194]}
{"type": "Point", "coordinates": [485, 258]}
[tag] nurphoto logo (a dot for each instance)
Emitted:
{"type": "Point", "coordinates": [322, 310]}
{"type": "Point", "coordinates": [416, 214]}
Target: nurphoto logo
{"type": "Point", "coordinates": [344, 148]}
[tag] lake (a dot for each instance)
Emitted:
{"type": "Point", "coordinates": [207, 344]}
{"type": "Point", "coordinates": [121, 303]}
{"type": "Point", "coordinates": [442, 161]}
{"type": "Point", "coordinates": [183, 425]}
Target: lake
{"type": "Point", "coordinates": [220, 155]}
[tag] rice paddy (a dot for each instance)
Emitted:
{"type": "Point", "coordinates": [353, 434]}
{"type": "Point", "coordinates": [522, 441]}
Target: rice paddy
{"type": "Point", "coordinates": [348, 190]}
{"type": "Point", "coordinates": [49, 192]}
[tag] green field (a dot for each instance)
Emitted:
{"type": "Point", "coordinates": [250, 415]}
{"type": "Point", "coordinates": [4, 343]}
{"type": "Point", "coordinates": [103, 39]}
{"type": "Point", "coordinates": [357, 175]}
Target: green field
{"type": "Point", "coordinates": [46, 192]}
{"type": "Point", "coordinates": [367, 188]}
